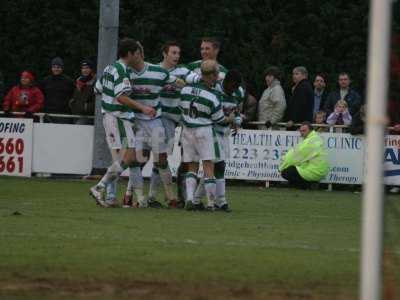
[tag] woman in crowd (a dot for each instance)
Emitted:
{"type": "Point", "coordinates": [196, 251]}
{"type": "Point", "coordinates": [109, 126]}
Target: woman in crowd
{"type": "Point", "coordinates": [24, 97]}
{"type": "Point", "coordinates": [272, 104]}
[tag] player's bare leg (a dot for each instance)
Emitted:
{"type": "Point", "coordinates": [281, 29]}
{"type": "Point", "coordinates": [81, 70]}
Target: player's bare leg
{"type": "Point", "coordinates": [166, 179]}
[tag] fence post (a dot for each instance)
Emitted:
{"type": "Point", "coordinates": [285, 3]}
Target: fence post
{"type": "Point", "coordinates": [107, 53]}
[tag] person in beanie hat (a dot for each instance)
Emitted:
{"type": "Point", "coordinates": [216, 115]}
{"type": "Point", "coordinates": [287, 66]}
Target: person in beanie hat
{"type": "Point", "coordinates": [24, 97]}
{"type": "Point", "coordinates": [83, 100]}
{"type": "Point", "coordinates": [58, 90]}
{"type": "Point", "coordinates": [87, 74]}
{"type": "Point", "coordinates": [57, 61]}
{"type": "Point", "coordinates": [87, 63]}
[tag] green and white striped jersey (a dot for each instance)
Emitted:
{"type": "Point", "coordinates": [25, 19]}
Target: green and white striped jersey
{"type": "Point", "coordinates": [229, 103]}
{"type": "Point", "coordinates": [147, 85]}
{"type": "Point", "coordinates": [200, 106]}
{"type": "Point", "coordinates": [115, 82]}
{"type": "Point", "coordinates": [195, 68]}
{"type": "Point", "coordinates": [170, 95]}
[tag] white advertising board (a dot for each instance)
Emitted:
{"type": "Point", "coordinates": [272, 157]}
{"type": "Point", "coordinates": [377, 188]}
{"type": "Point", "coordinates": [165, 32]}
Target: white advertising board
{"type": "Point", "coordinates": [15, 147]}
{"type": "Point", "coordinates": [62, 148]}
{"type": "Point", "coordinates": [256, 155]}
{"type": "Point", "coordinates": [392, 160]}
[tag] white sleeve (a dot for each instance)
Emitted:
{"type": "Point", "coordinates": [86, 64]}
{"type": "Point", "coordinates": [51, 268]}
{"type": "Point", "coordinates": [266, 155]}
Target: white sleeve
{"type": "Point", "coordinates": [192, 77]}
{"type": "Point", "coordinates": [98, 88]}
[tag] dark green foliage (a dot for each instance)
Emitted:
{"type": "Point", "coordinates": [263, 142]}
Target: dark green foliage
{"type": "Point", "coordinates": [328, 36]}
{"type": "Point", "coordinates": [33, 32]}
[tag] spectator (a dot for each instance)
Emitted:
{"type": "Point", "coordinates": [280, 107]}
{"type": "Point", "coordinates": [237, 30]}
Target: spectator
{"type": "Point", "coordinates": [341, 115]}
{"type": "Point", "coordinates": [272, 104]}
{"type": "Point", "coordinates": [320, 117]}
{"type": "Point", "coordinates": [358, 122]}
{"type": "Point", "coordinates": [307, 162]}
{"type": "Point", "coordinates": [57, 89]}
{"type": "Point", "coordinates": [301, 104]}
{"type": "Point", "coordinates": [344, 91]}
{"type": "Point", "coordinates": [248, 108]}
{"type": "Point", "coordinates": [83, 100]}
{"type": "Point", "coordinates": [24, 97]}
{"type": "Point", "coordinates": [320, 93]}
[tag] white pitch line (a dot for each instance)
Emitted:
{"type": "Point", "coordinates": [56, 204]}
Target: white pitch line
{"type": "Point", "coordinates": [272, 245]}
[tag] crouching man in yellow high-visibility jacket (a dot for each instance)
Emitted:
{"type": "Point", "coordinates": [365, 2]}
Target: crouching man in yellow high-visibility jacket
{"type": "Point", "coordinates": [307, 162]}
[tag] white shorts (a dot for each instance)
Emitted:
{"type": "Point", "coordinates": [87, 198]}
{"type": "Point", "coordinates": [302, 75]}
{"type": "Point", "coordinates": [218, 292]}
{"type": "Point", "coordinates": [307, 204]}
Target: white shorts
{"type": "Point", "coordinates": [150, 135]}
{"type": "Point", "coordinates": [119, 132]}
{"type": "Point", "coordinates": [223, 141]}
{"type": "Point", "coordinates": [199, 143]}
{"type": "Point", "coordinates": [169, 127]}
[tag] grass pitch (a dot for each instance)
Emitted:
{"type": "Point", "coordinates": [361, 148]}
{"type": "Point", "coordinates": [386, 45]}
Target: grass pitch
{"type": "Point", "coordinates": [277, 243]}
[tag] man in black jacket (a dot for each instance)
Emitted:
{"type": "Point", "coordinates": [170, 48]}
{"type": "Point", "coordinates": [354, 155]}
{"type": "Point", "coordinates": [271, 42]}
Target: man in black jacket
{"type": "Point", "coordinates": [301, 104]}
{"type": "Point", "coordinates": [344, 92]}
{"type": "Point", "coordinates": [320, 92]}
{"type": "Point", "coordinates": [58, 90]}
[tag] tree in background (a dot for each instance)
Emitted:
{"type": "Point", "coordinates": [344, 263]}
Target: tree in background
{"type": "Point", "coordinates": [329, 36]}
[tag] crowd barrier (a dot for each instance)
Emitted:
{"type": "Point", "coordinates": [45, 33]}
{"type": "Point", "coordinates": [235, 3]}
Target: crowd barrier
{"type": "Point", "coordinates": [42, 116]}
{"type": "Point", "coordinates": [27, 147]}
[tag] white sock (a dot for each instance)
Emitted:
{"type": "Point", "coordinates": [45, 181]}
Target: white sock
{"type": "Point", "coordinates": [166, 178]}
{"type": "Point", "coordinates": [131, 181]}
{"type": "Point", "coordinates": [191, 183]}
{"type": "Point", "coordinates": [220, 192]}
{"type": "Point", "coordinates": [154, 182]}
{"type": "Point", "coordinates": [210, 186]}
{"type": "Point", "coordinates": [200, 191]}
{"type": "Point", "coordinates": [112, 189]}
{"type": "Point", "coordinates": [112, 173]}
{"type": "Point", "coordinates": [135, 175]}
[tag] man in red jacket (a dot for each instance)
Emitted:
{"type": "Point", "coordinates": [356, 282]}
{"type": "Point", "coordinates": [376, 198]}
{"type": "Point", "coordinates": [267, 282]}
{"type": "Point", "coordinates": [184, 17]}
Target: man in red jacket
{"type": "Point", "coordinates": [24, 97]}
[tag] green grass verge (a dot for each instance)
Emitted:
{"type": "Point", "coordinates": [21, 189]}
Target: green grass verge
{"type": "Point", "coordinates": [275, 241]}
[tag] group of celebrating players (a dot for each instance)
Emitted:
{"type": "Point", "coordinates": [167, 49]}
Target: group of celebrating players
{"type": "Point", "coordinates": [143, 103]}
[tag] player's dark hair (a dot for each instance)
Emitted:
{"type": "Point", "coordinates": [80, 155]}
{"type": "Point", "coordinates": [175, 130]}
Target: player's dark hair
{"type": "Point", "coordinates": [234, 76]}
{"type": "Point", "coordinates": [165, 47]}
{"type": "Point", "coordinates": [214, 41]}
{"type": "Point", "coordinates": [127, 45]}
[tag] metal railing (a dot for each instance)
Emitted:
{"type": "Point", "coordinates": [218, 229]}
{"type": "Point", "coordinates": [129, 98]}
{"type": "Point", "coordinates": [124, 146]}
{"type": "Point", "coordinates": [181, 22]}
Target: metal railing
{"type": "Point", "coordinates": [282, 125]}
{"type": "Point", "coordinates": [331, 127]}
{"type": "Point", "coordinates": [42, 116]}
